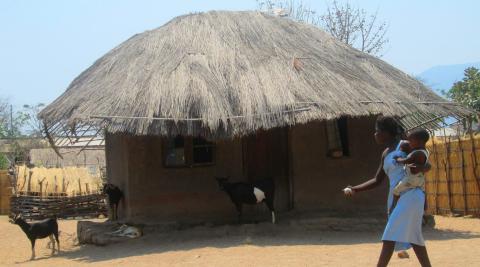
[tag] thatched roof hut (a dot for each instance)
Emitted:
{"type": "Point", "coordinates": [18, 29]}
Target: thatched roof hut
{"type": "Point", "coordinates": [231, 73]}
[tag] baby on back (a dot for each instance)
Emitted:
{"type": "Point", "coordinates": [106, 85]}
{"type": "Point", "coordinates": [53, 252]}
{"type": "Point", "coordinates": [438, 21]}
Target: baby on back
{"type": "Point", "coordinates": [416, 155]}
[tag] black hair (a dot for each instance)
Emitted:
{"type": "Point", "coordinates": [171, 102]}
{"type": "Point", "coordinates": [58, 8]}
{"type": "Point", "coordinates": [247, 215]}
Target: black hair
{"type": "Point", "coordinates": [420, 134]}
{"type": "Point", "coordinates": [390, 125]}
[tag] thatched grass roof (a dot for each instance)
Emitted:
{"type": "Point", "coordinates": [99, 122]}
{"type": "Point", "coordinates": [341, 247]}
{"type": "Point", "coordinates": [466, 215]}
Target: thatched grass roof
{"type": "Point", "coordinates": [231, 73]}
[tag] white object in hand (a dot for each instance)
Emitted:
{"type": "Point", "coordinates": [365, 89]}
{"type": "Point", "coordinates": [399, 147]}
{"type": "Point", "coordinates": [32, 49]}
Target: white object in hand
{"type": "Point", "coordinates": [348, 191]}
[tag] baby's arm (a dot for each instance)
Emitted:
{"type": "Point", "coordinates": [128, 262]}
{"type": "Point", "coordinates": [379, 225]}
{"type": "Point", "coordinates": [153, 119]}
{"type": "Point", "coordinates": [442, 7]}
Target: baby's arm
{"type": "Point", "coordinates": [408, 160]}
{"type": "Point", "coordinates": [416, 159]}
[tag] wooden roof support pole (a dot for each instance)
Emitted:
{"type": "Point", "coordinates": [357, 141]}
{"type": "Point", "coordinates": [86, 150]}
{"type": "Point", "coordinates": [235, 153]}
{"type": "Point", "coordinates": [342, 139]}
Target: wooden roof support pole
{"type": "Point", "coordinates": [50, 140]}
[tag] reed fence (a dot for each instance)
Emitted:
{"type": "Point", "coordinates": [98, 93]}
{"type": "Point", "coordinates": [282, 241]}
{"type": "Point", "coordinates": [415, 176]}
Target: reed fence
{"type": "Point", "coordinates": [40, 207]}
{"type": "Point", "coordinates": [453, 184]}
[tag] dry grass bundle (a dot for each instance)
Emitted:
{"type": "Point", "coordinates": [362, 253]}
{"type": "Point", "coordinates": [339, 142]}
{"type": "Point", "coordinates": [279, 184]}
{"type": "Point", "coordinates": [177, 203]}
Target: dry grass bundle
{"type": "Point", "coordinates": [53, 181]}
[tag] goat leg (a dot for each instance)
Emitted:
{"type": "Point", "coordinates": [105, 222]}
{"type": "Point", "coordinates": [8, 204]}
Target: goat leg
{"type": "Point", "coordinates": [239, 210]}
{"type": "Point", "coordinates": [58, 242]}
{"type": "Point", "coordinates": [52, 241]}
{"type": "Point", "coordinates": [110, 213]}
{"type": "Point", "coordinates": [33, 249]}
{"type": "Point", "coordinates": [269, 204]}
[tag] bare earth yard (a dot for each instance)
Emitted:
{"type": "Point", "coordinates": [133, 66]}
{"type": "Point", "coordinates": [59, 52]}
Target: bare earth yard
{"type": "Point", "coordinates": [453, 242]}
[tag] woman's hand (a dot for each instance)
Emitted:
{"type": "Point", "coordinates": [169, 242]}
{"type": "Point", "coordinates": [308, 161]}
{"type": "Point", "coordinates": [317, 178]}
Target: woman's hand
{"type": "Point", "coordinates": [348, 191]}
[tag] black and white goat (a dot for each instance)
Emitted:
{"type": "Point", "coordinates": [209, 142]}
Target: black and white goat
{"type": "Point", "coordinates": [249, 193]}
{"type": "Point", "coordinates": [114, 196]}
{"type": "Point", "coordinates": [39, 230]}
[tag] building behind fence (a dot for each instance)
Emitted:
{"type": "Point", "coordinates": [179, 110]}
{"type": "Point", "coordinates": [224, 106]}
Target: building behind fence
{"type": "Point", "coordinates": [453, 184]}
{"type": "Point", "coordinates": [45, 184]}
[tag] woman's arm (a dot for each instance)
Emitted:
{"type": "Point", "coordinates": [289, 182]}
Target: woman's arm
{"type": "Point", "coordinates": [374, 182]}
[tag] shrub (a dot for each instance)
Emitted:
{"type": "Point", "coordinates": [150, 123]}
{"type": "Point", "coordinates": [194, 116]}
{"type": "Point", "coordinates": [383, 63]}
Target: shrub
{"type": "Point", "coordinates": [3, 162]}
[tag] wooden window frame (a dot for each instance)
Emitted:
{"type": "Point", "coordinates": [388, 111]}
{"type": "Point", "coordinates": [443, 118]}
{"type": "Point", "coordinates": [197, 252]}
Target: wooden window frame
{"type": "Point", "coordinates": [188, 150]}
{"type": "Point", "coordinates": [343, 138]}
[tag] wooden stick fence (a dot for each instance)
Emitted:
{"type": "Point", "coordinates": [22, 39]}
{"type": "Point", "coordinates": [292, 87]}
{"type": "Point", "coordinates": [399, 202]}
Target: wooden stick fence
{"type": "Point", "coordinates": [40, 207]}
{"type": "Point", "coordinates": [453, 184]}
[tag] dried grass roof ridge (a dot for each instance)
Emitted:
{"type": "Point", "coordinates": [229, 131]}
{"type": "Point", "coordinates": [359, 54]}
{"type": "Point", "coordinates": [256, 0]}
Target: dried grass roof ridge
{"type": "Point", "coordinates": [236, 72]}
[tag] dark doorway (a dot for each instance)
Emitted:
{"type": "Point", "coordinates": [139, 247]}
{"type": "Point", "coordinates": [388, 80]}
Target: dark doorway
{"type": "Point", "coordinates": [266, 155]}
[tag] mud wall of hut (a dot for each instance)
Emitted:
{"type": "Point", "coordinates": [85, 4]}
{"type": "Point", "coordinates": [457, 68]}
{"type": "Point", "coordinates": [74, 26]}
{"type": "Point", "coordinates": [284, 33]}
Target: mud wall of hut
{"type": "Point", "coordinates": [318, 179]}
{"type": "Point", "coordinates": [154, 192]}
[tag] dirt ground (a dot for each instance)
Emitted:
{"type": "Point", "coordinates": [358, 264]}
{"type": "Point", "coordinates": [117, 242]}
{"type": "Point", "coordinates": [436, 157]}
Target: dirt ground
{"type": "Point", "coordinates": [453, 242]}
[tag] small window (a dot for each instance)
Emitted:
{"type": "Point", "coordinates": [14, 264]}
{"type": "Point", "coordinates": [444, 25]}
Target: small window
{"type": "Point", "coordinates": [202, 151]}
{"type": "Point", "coordinates": [337, 138]}
{"type": "Point", "coordinates": [175, 152]}
{"type": "Point", "coordinates": [186, 151]}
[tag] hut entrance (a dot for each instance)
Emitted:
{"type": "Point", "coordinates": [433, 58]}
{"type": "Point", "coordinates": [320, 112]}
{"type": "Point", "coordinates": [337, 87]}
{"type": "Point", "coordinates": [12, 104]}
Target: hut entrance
{"type": "Point", "coordinates": [266, 155]}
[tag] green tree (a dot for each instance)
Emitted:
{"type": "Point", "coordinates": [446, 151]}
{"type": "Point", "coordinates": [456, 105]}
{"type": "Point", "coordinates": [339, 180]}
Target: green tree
{"type": "Point", "coordinates": [19, 123]}
{"type": "Point", "coordinates": [3, 162]}
{"type": "Point", "coordinates": [467, 91]}
{"type": "Point", "coordinates": [34, 126]}
{"type": "Point", "coordinates": [11, 122]}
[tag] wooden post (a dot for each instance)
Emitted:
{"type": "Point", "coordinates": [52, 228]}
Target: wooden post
{"type": "Point", "coordinates": [447, 169]}
{"type": "Point", "coordinates": [437, 173]}
{"type": "Point", "coordinates": [79, 187]}
{"type": "Point", "coordinates": [87, 188]}
{"type": "Point", "coordinates": [475, 163]}
{"type": "Point", "coordinates": [64, 188]}
{"type": "Point", "coordinates": [55, 187]}
{"type": "Point", "coordinates": [41, 185]}
{"type": "Point", "coordinates": [291, 173]}
{"type": "Point", "coordinates": [464, 182]}
{"type": "Point", "coordinates": [29, 185]}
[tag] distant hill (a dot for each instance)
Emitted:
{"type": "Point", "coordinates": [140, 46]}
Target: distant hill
{"type": "Point", "coordinates": [443, 77]}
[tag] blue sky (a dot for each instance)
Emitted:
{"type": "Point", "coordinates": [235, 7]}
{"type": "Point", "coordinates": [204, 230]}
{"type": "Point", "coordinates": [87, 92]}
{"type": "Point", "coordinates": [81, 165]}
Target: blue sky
{"type": "Point", "coordinates": [46, 44]}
